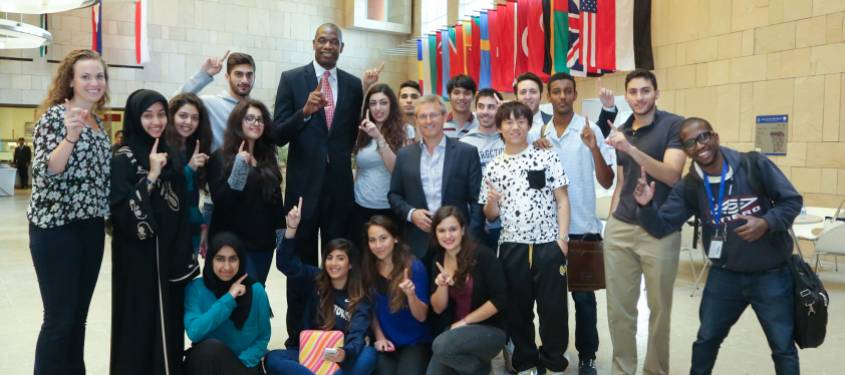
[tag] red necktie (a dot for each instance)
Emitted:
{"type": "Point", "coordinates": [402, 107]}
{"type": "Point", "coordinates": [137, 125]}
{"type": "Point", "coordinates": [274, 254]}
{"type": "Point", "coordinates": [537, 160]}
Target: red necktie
{"type": "Point", "coordinates": [327, 94]}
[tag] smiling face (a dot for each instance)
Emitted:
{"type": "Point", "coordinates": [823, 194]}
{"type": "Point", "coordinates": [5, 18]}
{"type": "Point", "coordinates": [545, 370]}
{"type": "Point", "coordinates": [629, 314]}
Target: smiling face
{"type": "Point", "coordinates": [337, 265]}
{"type": "Point", "coordinates": [461, 99]}
{"type": "Point", "coordinates": [485, 111]}
{"type": "Point", "coordinates": [379, 105]}
{"type": "Point", "coordinates": [528, 93]}
{"type": "Point", "coordinates": [226, 263]}
{"type": "Point", "coordinates": [641, 96]}
{"type": "Point", "coordinates": [327, 46]}
{"type": "Point", "coordinates": [515, 131]}
{"type": "Point", "coordinates": [449, 234]}
{"type": "Point", "coordinates": [89, 80]}
{"type": "Point", "coordinates": [186, 120]}
{"type": "Point", "coordinates": [701, 144]}
{"type": "Point", "coordinates": [253, 124]}
{"type": "Point", "coordinates": [154, 120]}
{"type": "Point", "coordinates": [380, 242]}
{"type": "Point", "coordinates": [430, 120]}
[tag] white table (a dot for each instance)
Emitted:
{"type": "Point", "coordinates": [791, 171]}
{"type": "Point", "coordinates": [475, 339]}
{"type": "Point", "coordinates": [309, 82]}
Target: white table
{"type": "Point", "coordinates": [7, 181]}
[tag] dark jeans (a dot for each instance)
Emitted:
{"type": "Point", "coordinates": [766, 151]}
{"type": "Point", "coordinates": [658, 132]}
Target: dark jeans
{"type": "Point", "coordinates": [465, 350]}
{"type": "Point", "coordinates": [286, 362]}
{"type": "Point", "coordinates": [407, 360]}
{"type": "Point", "coordinates": [258, 264]}
{"type": "Point", "coordinates": [67, 262]}
{"type": "Point", "coordinates": [213, 357]}
{"type": "Point", "coordinates": [726, 295]}
{"type": "Point", "coordinates": [23, 174]}
{"type": "Point", "coordinates": [536, 273]}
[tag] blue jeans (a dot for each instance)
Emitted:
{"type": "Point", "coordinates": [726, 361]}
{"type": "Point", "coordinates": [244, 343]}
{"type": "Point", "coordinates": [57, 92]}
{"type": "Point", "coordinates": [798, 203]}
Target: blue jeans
{"type": "Point", "coordinates": [286, 362]}
{"type": "Point", "coordinates": [67, 262]}
{"type": "Point", "coordinates": [726, 295]}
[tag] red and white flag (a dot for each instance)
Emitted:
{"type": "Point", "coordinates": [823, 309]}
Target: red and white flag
{"type": "Point", "coordinates": [142, 48]}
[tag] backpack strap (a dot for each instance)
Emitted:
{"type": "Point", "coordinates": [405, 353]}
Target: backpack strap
{"type": "Point", "coordinates": [749, 162]}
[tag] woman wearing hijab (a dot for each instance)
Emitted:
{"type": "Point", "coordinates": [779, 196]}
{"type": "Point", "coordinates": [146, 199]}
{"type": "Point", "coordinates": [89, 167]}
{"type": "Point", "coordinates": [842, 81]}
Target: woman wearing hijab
{"type": "Point", "coordinates": [152, 258]}
{"type": "Point", "coordinates": [227, 314]}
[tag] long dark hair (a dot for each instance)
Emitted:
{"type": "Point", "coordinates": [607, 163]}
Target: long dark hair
{"type": "Point", "coordinates": [393, 128]}
{"type": "Point", "coordinates": [355, 290]}
{"type": "Point", "coordinates": [466, 257]}
{"type": "Point", "coordinates": [264, 151]}
{"type": "Point", "coordinates": [201, 134]}
{"type": "Point", "coordinates": [400, 257]}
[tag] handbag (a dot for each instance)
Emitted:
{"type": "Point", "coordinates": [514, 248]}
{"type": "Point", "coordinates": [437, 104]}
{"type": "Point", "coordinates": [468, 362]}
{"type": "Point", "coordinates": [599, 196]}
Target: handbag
{"type": "Point", "coordinates": [811, 303]}
{"type": "Point", "coordinates": [585, 261]}
{"type": "Point", "coordinates": [312, 345]}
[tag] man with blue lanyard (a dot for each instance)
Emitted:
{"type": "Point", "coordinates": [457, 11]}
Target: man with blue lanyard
{"type": "Point", "coordinates": [745, 232]}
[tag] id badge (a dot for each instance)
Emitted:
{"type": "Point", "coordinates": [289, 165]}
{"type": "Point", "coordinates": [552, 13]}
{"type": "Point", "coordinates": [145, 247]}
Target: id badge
{"type": "Point", "coordinates": [716, 247]}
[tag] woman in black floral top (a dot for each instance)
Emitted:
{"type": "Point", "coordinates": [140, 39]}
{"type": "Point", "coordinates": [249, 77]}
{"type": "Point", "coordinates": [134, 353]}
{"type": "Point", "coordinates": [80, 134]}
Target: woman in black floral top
{"type": "Point", "coordinates": [68, 207]}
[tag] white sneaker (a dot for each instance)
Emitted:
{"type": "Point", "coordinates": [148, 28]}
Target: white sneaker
{"type": "Point", "coordinates": [531, 371]}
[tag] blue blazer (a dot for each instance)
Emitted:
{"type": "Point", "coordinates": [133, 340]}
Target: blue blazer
{"type": "Point", "coordinates": [317, 155]}
{"type": "Point", "coordinates": [461, 186]}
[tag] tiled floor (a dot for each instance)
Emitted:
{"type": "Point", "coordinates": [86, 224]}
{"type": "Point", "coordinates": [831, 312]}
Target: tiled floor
{"type": "Point", "coordinates": [744, 352]}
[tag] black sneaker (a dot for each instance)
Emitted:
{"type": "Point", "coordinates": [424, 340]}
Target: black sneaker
{"type": "Point", "coordinates": [587, 367]}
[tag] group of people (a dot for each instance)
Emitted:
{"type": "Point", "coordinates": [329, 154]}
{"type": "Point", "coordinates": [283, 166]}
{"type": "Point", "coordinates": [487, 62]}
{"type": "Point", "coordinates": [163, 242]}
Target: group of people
{"type": "Point", "coordinates": [463, 220]}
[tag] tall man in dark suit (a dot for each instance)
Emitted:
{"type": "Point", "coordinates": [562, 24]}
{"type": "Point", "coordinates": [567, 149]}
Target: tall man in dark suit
{"type": "Point", "coordinates": [21, 160]}
{"type": "Point", "coordinates": [439, 171]}
{"type": "Point", "coordinates": [317, 110]}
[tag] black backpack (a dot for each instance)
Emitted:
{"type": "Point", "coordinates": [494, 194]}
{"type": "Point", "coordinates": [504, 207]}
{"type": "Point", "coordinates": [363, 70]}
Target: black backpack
{"type": "Point", "coordinates": [811, 299]}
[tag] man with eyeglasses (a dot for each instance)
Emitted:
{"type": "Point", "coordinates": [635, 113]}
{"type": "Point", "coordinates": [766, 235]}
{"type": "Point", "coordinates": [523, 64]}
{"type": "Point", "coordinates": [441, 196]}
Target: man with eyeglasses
{"type": "Point", "coordinates": [746, 206]}
{"type": "Point", "coordinates": [240, 74]}
{"type": "Point", "coordinates": [648, 139]}
{"type": "Point", "coordinates": [439, 171]}
{"type": "Point", "coordinates": [317, 110]}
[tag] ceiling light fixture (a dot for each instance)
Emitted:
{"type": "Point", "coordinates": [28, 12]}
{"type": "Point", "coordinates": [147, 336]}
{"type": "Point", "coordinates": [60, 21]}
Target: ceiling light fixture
{"type": "Point", "coordinates": [18, 35]}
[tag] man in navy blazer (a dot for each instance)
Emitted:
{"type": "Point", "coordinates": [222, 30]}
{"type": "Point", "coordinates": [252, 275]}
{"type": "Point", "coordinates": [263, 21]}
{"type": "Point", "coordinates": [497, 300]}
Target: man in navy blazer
{"type": "Point", "coordinates": [439, 171]}
{"type": "Point", "coordinates": [317, 110]}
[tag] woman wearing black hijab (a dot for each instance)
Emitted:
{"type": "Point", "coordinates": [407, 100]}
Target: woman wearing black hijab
{"type": "Point", "coordinates": [152, 258]}
{"type": "Point", "coordinates": [227, 314]}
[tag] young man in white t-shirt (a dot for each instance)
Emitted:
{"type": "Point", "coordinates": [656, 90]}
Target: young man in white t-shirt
{"type": "Point", "coordinates": [526, 188]}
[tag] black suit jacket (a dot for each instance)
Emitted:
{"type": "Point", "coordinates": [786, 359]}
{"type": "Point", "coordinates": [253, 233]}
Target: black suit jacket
{"type": "Point", "coordinates": [316, 154]}
{"type": "Point", "coordinates": [461, 185]}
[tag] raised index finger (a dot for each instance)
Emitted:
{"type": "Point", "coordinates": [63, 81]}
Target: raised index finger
{"type": "Point", "coordinates": [242, 146]}
{"type": "Point", "coordinates": [225, 55]}
{"type": "Point", "coordinates": [197, 147]}
{"type": "Point", "coordinates": [440, 267]}
{"type": "Point", "coordinates": [380, 67]}
{"type": "Point", "coordinates": [240, 280]}
{"type": "Point", "coordinates": [406, 274]}
{"type": "Point", "coordinates": [155, 147]}
{"type": "Point", "coordinates": [299, 206]}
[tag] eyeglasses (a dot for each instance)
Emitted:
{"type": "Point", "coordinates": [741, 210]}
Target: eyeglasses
{"type": "Point", "coordinates": [427, 116]}
{"type": "Point", "coordinates": [254, 119]}
{"type": "Point", "coordinates": [701, 138]}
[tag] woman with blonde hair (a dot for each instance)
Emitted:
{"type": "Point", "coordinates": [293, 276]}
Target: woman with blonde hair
{"type": "Point", "coordinates": [70, 201]}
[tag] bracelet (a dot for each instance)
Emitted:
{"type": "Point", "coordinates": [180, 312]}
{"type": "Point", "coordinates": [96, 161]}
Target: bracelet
{"type": "Point", "coordinates": [69, 141]}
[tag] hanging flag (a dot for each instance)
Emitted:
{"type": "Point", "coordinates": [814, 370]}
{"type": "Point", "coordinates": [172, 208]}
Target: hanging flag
{"type": "Point", "coordinates": [547, 26]}
{"type": "Point", "coordinates": [432, 64]}
{"type": "Point", "coordinates": [534, 41]}
{"type": "Point", "coordinates": [459, 64]}
{"type": "Point", "coordinates": [560, 32]}
{"type": "Point", "coordinates": [455, 65]}
{"type": "Point", "coordinates": [484, 70]}
{"type": "Point", "coordinates": [475, 52]}
{"type": "Point", "coordinates": [44, 25]}
{"type": "Point", "coordinates": [494, 35]}
{"type": "Point", "coordinates": [466, 26]}
{"type": "Point", "coordinates": [521, 65]}
{"type": "Point", "coordinates": [640, 33]}
{"type": "Point", "coordinates": [97, 28]}
{"type": "Point", "coordinates": [508, 45]}
{"type": "Point", "coordinates": [573, 56]}
{"type": "Point", "coordinates": [446, 62]}
{"type": "Point", "coordinates": [421, 65]}
{"type": "Point", "coordinates": [142, 49]}
{"type": "Point", "coordinates": [606, 35]}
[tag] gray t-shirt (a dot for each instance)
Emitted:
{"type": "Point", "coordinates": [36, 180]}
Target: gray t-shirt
{"type": "Point", "coordinates": [654, 140]}
{"type": "Point", "coordinates": [372, 180]}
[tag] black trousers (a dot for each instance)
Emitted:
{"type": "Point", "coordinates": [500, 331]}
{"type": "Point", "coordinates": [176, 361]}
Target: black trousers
{"type": "Point", "coordinates": [23, 174]}
{"type": "Point", "coordinates": [407, 360]}
{"type": "Point", "coordinates": [360, 216]}
{"type": "Point", "coordinates": [536, 273]}
{"type": "Point", "coordinates": [331, 223]}
{"type": "Point", "coordinates": [213, 357]}
{"type": "Point", "coordinates": [67, 262]}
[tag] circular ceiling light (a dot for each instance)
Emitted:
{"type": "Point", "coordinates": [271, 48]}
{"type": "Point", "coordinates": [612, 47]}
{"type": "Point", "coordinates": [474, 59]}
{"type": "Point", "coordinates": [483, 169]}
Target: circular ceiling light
{"type": "Point", "coordinates": [43, 6]}
{"type": "Point", "coordinates": [17, 35]}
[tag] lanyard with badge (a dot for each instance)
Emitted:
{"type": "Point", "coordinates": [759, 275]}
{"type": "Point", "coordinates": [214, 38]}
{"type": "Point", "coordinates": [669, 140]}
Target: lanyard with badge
{"type": "Point", "coordinates": [716, 214]}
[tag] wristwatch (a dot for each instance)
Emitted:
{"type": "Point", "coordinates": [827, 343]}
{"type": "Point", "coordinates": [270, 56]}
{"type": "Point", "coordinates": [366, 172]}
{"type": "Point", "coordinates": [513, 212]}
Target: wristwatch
{"type": "Point", "coordinates": [564, 238]}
